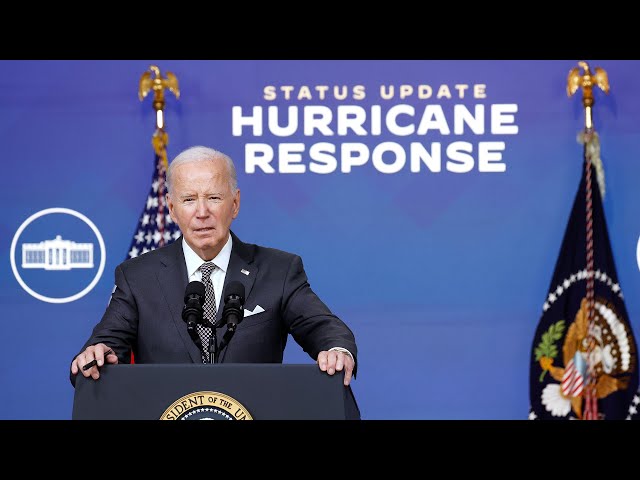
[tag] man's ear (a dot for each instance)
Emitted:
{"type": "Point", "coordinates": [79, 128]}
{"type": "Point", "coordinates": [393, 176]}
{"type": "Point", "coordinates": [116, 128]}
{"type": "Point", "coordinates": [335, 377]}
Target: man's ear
{"type": "Point", "coordinates": [236, 203]}
{"type": "Point", "coordinates": [169, 202]}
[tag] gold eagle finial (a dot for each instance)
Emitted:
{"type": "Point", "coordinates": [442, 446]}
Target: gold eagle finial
{"type": "Point", "coordinates": [158, 85]}
{"type": "Point", "coordinates": [587, 81]}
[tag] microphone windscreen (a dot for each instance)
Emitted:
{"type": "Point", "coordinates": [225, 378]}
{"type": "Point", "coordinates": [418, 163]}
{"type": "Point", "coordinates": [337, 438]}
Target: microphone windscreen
{"type": "Point", "coordinates": [234, 288]}
{"type": "Point", "coordinates": [195, 288]}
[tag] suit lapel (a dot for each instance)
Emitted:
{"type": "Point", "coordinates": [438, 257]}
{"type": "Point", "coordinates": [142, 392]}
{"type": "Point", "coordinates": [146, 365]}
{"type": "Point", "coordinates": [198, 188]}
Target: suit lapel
{"type": "Point", "coordinates": [241, 269]}
{"type": "Point", "coordinates": [172, 277]}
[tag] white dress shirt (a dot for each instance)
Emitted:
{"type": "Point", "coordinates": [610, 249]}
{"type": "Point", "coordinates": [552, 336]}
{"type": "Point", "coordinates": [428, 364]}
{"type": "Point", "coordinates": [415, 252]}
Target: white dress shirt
{"type": "Point", "coordinates": [221, 261]}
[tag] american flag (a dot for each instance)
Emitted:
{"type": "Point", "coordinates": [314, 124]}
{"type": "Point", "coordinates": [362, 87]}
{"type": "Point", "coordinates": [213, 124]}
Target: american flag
{"type": "Point", "coordinates": [155, 226]}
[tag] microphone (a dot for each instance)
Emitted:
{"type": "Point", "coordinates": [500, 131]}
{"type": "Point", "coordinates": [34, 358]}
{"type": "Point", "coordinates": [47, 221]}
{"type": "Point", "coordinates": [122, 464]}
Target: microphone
{"type": "Point", "coordinates": [233, 311]}
{"type": "Point", "coordinates": [192, 311]}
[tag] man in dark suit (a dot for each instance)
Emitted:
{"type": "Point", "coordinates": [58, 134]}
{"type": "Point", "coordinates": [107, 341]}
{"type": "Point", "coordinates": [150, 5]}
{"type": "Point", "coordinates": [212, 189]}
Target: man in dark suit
{"type": "Point", "coordinates": [144, 315]}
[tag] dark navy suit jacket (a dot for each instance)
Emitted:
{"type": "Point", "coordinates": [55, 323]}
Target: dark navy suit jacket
{"type": "Point", "coordinates": [144, 314]}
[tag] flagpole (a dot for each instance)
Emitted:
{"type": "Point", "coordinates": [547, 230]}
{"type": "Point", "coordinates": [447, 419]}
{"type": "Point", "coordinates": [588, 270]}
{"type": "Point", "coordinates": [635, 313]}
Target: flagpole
{"type": "Point", "coordinates": [587, 80]}
{"type": "Point", "coordinates": [584, 362]}
{"type": "Point", "coordinates": [158, 84]}
{"type": "Point", "coordinates": [160, 138]}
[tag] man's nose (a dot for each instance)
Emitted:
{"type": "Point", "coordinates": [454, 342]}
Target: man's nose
{"type": "Point", "coordinates": [201, 207]}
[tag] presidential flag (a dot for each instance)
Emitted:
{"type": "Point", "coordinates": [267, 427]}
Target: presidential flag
{"type": "Point", "coordinates": [584, 358]}
{"type": "Point", "coordinates": [155, 227]}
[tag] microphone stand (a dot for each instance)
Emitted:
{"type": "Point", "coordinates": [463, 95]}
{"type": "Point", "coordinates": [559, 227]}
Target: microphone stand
{"type": "Point", "coordinates": [213, 343]}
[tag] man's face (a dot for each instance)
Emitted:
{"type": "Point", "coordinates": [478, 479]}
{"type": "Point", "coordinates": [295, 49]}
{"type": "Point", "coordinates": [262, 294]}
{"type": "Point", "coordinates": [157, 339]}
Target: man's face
{"type": "Point", "coordinates": [202, 204]}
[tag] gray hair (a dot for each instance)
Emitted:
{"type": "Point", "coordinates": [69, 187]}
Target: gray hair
{"type": "Point", "coordinates": [201, 154]}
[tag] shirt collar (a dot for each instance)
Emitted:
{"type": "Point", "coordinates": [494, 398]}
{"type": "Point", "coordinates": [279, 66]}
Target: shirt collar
{"type": "Point", "coordinates": [193, 260]}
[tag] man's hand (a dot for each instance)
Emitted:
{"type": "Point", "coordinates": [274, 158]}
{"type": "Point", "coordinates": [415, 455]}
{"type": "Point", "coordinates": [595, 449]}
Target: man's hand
{"type": "Point", "coordinates": [335, 361]}
{"type": "Point", "coordinates": [93, 352]}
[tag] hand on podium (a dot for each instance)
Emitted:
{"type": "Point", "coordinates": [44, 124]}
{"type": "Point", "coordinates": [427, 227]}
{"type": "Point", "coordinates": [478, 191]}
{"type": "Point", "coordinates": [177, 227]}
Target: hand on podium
{"type": "Point", "coordinates": [89, 361]}
{"type": "Point", "coordinates": [335, 361]}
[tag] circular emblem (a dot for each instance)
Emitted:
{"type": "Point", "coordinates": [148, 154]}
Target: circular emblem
{"type": "Point", "coordinates": [58, 265]}
{"type": "Point", "coordinates": [206, 406]}
{"type": "Point", "coordinates": [638, 253]}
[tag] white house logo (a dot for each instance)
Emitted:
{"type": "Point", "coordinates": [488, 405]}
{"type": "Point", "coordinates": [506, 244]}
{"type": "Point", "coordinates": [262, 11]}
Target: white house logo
{"type": "Point", "coordinates": [57, 255]}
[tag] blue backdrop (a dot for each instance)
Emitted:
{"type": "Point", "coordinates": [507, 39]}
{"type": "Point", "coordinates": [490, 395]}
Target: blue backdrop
{"type": "Point", "coordinates": [428, 200]}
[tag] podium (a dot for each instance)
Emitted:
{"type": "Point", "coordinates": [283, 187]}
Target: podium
{"type": "Point", "coordinates": [243, 391]}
